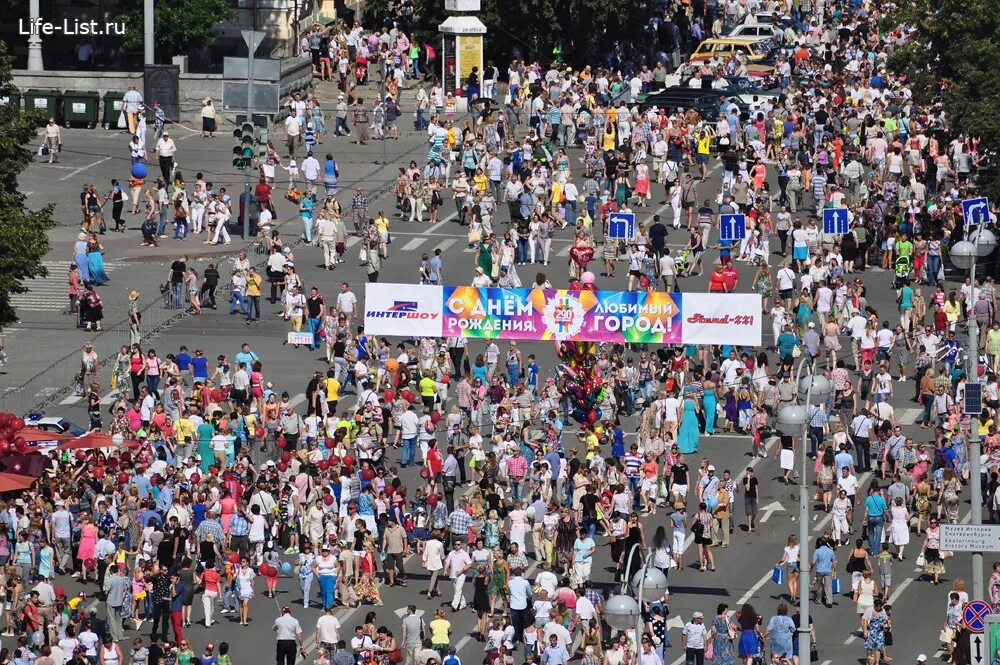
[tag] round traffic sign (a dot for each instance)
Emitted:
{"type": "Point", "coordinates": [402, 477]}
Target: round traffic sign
{"type": "Point", "coordinates": [974, 615]}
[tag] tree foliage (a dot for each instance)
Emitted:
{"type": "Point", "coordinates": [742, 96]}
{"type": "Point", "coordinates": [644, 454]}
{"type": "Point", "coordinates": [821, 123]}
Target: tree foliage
{"type": "Point", "coordinates": [180, 26]}
{"type": "Point", "coordinates": [953, 56]}
{"type": "Point", "coordinates": [585, 29]}
{"type": "Point", "coordinates": [24, 240]}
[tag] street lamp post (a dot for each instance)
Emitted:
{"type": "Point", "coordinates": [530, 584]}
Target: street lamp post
{"type": "Point", "coordinates": [790, 417]}
{"type": "Point", "coordinates": [623, 611]}
{"type": "Point", "coordinates": [964, 255]}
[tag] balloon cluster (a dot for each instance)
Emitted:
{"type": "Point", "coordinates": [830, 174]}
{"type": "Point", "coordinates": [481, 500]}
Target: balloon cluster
{"type": "Point", "coordinates": [10, 442]}
{"type": "Point", "coordinates": [583, 380]}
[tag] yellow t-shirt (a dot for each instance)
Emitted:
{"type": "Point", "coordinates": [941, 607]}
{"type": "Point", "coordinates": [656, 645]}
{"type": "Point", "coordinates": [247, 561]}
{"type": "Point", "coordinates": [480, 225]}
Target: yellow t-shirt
{"type": "Point", "coordinates": [382, 224]}
{"type": "Point", "coordinates": [952, 311]}
{"type": "Point", "coordinates": [557, 189]}
{"type": "Point", "coordinates": [704, 145]}
{"type": "Point", "coordinates": [439, 631]}
{"type": "Point", "coordinates": [480, 180]}
{"type": "Point", "coordinates": [427, 387]}
{"type": "Point", "coordinates": [183, 429]}
{"type": "Point", "coordinates": [253, 285]}
{"type": "Point", "coordinates": [332, 390]}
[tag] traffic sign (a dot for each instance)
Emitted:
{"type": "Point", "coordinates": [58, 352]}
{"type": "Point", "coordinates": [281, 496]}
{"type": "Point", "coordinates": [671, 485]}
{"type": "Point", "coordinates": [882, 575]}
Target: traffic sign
{"type": "Point", "coordinates": [977, 649]}
{"type": "Point", "coordinates": [835, 221]}
{"type": "Point", "coordinates": [732, 227]}
{"type": "Point", "coordinates": [970, 537]}
{"type": "Point", "coordinates": [974, 615]}
{"type": "Point", "coordinates": [621, 226]}
{"type": "Point", "coordinates": [976, 211]}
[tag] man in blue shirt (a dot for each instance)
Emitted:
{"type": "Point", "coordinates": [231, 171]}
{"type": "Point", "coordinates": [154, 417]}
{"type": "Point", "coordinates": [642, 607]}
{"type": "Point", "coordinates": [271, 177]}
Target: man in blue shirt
{"type": "Point", "coordinates": [875, 509]}
{"type": "Point", "coordinates": [824, 567]}
{"type": "Point", "coordinates": [245, 356]}
{"type": "Point", "coordinates": [532, 375]}
{"type": "Point", "coordinates": [843, 459]}
{"type": "Point", "coordinates": [177, 589]}
{"type": "Point", "coordinates": [183, 360]}
{"type": "Point", "coordinates": [555, 653]}
{"type": "Point", "coordinates": [436, 268]}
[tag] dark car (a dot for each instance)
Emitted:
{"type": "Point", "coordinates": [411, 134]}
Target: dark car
{"type": "Point", "coordinates": [705, 102]}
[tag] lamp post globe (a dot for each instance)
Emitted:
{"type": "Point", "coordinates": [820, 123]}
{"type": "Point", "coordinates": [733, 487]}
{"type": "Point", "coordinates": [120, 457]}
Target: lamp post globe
{"type": "Point", "coordinates": [621, 612]}
{"type": "Point", "coordinates": [791, 416]}
{"type": "Point", "coordinates": [963, 254]}
{"type": "Point", "coordinates": [821, 386]}
{"type": "Point", "coordinates": [653, 586]}
{"type": "Point", "coordinates": [984, 240]}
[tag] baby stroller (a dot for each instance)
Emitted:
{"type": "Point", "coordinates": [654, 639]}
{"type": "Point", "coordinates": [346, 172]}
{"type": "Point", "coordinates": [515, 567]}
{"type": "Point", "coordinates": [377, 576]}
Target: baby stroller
{"type": "Point", "coordinates": [681, 261]}
{"type": "Point", "coordinates": [902, 268]}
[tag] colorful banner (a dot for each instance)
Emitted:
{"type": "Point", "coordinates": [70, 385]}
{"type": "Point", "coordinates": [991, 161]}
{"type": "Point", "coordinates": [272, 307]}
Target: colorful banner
{"type": "Point", "coordinates": [533, 314]}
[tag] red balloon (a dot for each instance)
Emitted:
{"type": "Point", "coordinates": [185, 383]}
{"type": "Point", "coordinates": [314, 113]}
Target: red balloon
{"type": "Point", "coordinates": [5, 419]}
{"type": "Point", "coordinates": [282, 467]}
{"type": "Point", "coordinates": [445, 379]}
{"type": "Point", "coordinates": [126, 456]}
{"type": "Point", "coordinates": [592, 417]}
{"type": "Point", "coordinates": [330, 443]}
{"type": "Point", "coordinates": [367, 475]}
{"type": "Point", "coordinates": [81, 454]}
{"type": "Point", "coordinates": [122, 478]}
{"type": "Point", "coordinates": [425, 473]}
{"type": "Point", "coordinates": [286, 457]}
{"type": "Point", "coordinates": [349, 460]}
{"type": "Point", "coordinates": [328, 499]}
{"type": "Point", "coordinates": [4, 446]}
{"type": "Point", "coordinates": [216, 395]}
{"type": "Point", "coordinates": [17, 424]}
{"type": "Point", "coordinates": [271, 571]}
{"type": "Point", "coordinates": [89, 564]}
{"type": "Point", "coordinates": [113, 462]}
{"type": "Point", "coordinates": [435, 417]}
{"type": "Point", "coordinates": [98, 472]}
{"type": "Point", "coordinates": [280, 442]}
{"type": "Point", "coordinates": [389, 395]}
{"type": "Point", "coordinates": [259, 432]}
{"type": "Point", "coordinates": [195, 478]}
{"type": "Point", "coordinates": [334, 460]}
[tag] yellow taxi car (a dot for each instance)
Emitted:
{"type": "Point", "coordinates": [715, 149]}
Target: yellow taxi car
{"type": "Point", "coordinates": [755, 49]}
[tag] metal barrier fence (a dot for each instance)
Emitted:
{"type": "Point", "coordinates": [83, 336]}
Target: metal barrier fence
{"type": "Point", "coordinates": [59, 380]}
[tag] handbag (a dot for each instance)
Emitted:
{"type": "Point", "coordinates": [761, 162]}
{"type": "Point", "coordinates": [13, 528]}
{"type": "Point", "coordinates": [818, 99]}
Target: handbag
{"type": "Point", "coordinates": [363, 255]}
{"type": "Point", "coordinates": [710, 650]}
{"type": "Point", "coordinates": [777, 575]}
{"type": "Point", "coordinates": [475, 235]}
{"type": "Point", "coordinates": [945, 636]}
{"type": "Point", "coordinates": [921, 560]}
{"type": "Point", "coordinates": [396, 656]}
{"type": "Point", "coordinates": [835, 586]}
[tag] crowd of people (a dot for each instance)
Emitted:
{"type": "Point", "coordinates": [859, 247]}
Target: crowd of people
{"type": "Point", "coordinates": [225, 482]}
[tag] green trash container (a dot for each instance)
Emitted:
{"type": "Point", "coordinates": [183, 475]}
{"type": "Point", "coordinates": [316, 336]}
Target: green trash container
{"type": "Point", "coordinates": [112, 109]}
{"type": "Point", "coordinates": [48, 103]}
{"type": "Point", "coordinates": [81, 108]}
{"type": "Point", "coordinates": [13, 99]}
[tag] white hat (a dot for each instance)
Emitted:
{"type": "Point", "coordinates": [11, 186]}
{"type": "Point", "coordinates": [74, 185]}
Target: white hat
{"type": "Point", "coordinates": [922, 658]}
{"type": "Point", "coordinates": [812, 325]}
{"type": "Point", "coordinates": [697, 615]}
{"type": "Point", "coordinates": [711, 467]}
{"type": "Point", "coordinates": [270, 462]}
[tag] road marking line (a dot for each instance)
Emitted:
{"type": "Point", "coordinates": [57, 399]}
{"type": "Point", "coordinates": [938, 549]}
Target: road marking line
{"type": "Point", "coordinates": [755, 588]}
{"type": "Point", "coordinates": [413, 244]}
{"type": "Point", "coordinates": [894, 596]}
{"type": "Point", "coordinates": [84, 168]}
{"type": "Point", "coordinates": [445, 244]}
{"type": "Point", "coordinates": [430, 230]}
{"type": "Point", "coordinates": [353, 240]}
{"type": "Point", "coordinates": [298, 399]}
{"type": "Point", "coordinates": [72, 399]}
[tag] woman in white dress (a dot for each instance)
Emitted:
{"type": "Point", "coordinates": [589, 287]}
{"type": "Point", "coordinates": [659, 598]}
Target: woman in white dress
{"type": "Point", "coordinates": [244, 584]}
{"type": "Point", "coordinates": [899, 527]}
{"type": "Point", "coordinates": [865, 594]}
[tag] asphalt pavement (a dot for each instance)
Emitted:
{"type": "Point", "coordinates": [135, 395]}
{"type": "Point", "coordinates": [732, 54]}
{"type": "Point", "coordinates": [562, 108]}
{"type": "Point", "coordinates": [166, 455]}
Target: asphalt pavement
{"type": "Point", "coordinates": [744, 569]}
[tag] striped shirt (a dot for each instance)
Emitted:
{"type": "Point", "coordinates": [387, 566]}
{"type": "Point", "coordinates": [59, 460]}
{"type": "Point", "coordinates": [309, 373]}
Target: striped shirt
{"type": "Point", "coordinates": [633, 462]}
{"type": "Point", "coordinates": [238, 526]}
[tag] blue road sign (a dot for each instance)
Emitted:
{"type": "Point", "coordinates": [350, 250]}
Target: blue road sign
{"type": "Point", "coordinates": [732, 227]}
{"type": "Point", "coordinates": [976, 211]}
{"type": "Point", "coordinates": [974, 615]}
{"type": "Point", "coordinates": [835, 221]}
{"type": "Point", "coordinates": [621, 226]}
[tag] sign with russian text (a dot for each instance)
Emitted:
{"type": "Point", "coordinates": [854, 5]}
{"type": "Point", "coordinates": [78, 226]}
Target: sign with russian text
{"type": "Point", "coordinates": [536, 314]}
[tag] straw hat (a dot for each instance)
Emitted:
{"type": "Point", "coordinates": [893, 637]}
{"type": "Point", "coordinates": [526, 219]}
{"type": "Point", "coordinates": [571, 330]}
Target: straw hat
{"type": "Point", "coordinates": [207, 100]}
{"type": "Point", "coordinates": [134, 295]}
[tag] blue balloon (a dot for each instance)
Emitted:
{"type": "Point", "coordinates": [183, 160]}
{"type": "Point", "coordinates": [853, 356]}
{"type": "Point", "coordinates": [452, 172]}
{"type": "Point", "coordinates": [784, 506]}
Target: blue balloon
{"type": "Point", "coordinates": [139, 170]}
{"type": "Point", "coordinates": [286, 568]}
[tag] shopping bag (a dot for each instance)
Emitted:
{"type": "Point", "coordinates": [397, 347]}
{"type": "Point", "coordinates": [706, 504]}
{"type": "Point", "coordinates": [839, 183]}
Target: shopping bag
{"type": "Point", "coordinates": [835, 586]}
{"type": "Point", "coordinates": [710, 650]}
{"type": "Point", "coordinates": [777, 575]}
{"type": "Point", "coordinates": [921, 560]}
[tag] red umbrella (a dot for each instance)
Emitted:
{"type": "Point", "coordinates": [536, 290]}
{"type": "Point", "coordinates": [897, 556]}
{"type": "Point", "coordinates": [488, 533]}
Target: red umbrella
{"type": "Point", "coordinates": [12, 482]}
{"type": "Point", "coordinates": [94, 440]}
{"type": "Point", "coordinates": [37, 434]}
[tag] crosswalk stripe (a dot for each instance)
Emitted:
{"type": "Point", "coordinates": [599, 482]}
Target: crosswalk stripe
{"type": "Point", "coordinates": [298, 399]}
{"type": "Point", "coordinates": [353, 240]}
{"type": "Point", "coordinates": [413, 244]}
{"type": "Point", "coordinates": [49, 294]}
{"type": "Point", "coordinates": [72, 399]}
{"type": "Point", "coordinates": [564, 251]}
{"type": "Point", "coordinates": [109, 398]}
{"type": "Point", "coordinates": [909, 416]}
{"type": "Point", "coordinates": [445, 244]}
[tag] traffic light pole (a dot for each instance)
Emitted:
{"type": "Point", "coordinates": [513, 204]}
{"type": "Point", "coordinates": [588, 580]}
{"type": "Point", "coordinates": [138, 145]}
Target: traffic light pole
{"type": "Point", "coordinates": [252, 48]}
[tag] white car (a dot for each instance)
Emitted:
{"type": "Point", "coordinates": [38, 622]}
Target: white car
{"type": "Point", "coordinates": [762, 30]}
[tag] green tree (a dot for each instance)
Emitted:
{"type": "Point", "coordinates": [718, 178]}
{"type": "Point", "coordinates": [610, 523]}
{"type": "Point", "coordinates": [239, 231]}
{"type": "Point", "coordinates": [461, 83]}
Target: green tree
{"type": "Point", "coordinates": [953, 56]}
{"type": "Point", "coordinates": [180, 26]}
{"type": "Point", "coordinates": [24, 239]}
